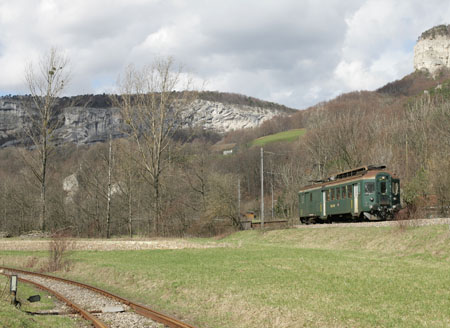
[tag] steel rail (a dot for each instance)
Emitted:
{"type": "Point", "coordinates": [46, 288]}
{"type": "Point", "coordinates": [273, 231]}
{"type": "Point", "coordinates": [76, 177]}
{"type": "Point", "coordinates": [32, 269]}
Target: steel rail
{"type": "Point", "coordinates": [139, 308]}
{"type": "Point", "coordinates": [85, 314]}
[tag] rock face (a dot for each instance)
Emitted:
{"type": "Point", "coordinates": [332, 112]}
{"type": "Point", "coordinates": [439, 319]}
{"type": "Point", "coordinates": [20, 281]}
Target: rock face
{"type": "Point", "coordinates": [79, 125]}
{"type": "Point", "coordinates": [432, 50]}
{"type": "Point", "coordinates": [86, 125]}
{"type": "Point", "coordinates": [226, 117]}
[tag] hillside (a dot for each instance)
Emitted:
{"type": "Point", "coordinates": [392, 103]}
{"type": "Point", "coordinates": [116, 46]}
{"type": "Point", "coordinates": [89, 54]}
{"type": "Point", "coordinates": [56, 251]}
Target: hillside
{"type": "Point", "coordinates": [414, 83]}
{"type": "Point", "coordinates": [403, 125]}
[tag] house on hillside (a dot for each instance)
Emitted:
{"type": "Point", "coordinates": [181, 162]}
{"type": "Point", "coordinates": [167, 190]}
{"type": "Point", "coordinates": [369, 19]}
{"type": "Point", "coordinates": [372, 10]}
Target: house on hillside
{"type": "Point", "coordinates": [225, 149]}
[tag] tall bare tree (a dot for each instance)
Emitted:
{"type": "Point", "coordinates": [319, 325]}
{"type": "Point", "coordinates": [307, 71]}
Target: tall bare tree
{"type": "Point", "coordinates": [128, 176]}
{"type": "Point", "coordinates": [154, 112]}
{"type": "Point", "coordinates": [45, 83]}
{"type": "Point", "coordinates": [110, 162]}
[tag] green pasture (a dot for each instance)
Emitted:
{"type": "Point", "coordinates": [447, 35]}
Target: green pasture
{"type": "Point", "coordinates": [289, 135]}
{"type": "Point", "coordinates": [326, 277]}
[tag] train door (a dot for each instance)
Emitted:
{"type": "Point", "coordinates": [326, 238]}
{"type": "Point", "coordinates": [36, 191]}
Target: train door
{"type": "Point", "coordinates": [355, 198]}
{"type": "Point", "coordinates": [324, 203]}
{"type": "Point", "coordinates": [383, 189]}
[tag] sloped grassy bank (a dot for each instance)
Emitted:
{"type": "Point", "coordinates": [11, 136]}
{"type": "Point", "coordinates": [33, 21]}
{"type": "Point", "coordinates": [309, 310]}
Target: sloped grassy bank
{"type": "Point", "coordinates": [331, 277]}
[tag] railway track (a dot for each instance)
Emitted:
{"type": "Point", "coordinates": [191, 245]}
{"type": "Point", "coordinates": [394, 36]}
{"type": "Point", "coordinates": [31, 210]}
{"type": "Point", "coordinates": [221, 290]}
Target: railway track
{"type": "Point", "coordinates": [411, 223]}
{"type": "Point", "coordinates": [101, 308]}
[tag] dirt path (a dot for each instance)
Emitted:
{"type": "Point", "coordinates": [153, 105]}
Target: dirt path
{"type": "Point", "coordinates": [104, 245]}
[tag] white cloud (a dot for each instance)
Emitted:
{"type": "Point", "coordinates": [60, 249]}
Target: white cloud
{"type": "Point", "coordinates": [379, 41]}
{"type": "Point", "coordinates": [293, 52]}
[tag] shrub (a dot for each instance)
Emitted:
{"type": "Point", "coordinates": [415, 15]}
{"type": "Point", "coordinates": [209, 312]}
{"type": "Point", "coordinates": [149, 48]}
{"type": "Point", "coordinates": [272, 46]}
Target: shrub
{"type": "Point", "coordinates": [59, 248]}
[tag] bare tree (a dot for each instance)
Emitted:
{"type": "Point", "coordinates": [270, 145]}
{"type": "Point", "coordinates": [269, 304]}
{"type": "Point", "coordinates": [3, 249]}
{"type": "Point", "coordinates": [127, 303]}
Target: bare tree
{"type": "Point", "coordinates": [154, 112]}
{"type": "Point", "coordinates": [45, 85]}
{"type": "Point", "coordinates": [196, 171]}
{"type": "Point", "coordinates": [110, 162]}
{"type": "Point", "coordinates": [128, 177]}
{"type": "Point", "coordinates": [222, 199]}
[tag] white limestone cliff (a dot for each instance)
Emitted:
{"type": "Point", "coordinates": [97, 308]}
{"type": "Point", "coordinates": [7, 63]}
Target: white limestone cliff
{"type": "Point", "coordinates": [432, 50]}
{"type": "Point", "coordinates": [86, 125]}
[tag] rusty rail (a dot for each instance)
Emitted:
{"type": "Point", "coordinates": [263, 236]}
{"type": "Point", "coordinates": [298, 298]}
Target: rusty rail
{"type": "Point", "coordinates": [85, 314]}
{"type": "Point", "coordinates": [139, 308]}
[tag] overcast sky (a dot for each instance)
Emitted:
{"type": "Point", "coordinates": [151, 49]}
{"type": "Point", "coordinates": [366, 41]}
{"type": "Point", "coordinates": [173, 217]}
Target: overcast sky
{"type": "Point", "coordinates": [294, 52]}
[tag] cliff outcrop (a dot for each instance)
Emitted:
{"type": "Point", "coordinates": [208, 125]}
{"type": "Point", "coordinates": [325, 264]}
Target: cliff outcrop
{"type": "Point", "coordinates": [432, 50]}
{"type": "Point", "coordinates": [90, 122]}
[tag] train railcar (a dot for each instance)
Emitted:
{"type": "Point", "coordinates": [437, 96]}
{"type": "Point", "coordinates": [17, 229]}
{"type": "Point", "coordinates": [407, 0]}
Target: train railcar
{"type": "Point", "coordinates": [365, 193]}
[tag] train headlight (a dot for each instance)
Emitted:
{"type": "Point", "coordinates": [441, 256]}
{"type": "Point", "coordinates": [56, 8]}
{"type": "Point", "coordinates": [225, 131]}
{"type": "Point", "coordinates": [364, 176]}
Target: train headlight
{"type": "Point", "coordinates": [371, 199]}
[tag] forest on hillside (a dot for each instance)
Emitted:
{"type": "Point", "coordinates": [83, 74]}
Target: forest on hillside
{"type": "Point", "coordinates": [114, 189]}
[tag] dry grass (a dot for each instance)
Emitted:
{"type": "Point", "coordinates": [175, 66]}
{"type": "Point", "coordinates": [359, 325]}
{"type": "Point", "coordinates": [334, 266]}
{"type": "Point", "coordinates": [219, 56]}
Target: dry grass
{"type": "Point", "coordinates": [107, 245]}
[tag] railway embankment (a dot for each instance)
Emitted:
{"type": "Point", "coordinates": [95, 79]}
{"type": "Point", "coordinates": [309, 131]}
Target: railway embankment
{"type": "Point", "coordinates": [405, 223]}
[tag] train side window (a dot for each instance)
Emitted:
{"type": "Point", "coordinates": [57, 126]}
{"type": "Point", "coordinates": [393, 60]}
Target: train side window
{"type": "Point", "coordinates": [369, 188]}
{"type": "Point", "coordinates": [328, 195]}
{"type": "Point", "coordinates": [344, 192]}
{"type": "Point", "coordinates": [310, 197]}
{"type": "Point", "coordinates": [338, 193]}
{"type": "Point", "coordinates": [332, 193]}
{"type": "Point", "coordinates": [350, 191]}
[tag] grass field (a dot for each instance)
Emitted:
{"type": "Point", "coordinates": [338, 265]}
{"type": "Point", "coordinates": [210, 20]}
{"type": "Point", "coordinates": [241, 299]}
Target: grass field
{"type": "Point", "coordinates": [11, 317]}
{"type": "Point", "coordinates": [330, 277]}
{"type": "Point", "coordinates": [289, 135]}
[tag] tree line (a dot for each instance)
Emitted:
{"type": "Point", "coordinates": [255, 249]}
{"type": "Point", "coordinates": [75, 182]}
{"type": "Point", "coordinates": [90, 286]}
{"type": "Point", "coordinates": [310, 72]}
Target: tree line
{"type": "Point", "coordinates": [166, 179]}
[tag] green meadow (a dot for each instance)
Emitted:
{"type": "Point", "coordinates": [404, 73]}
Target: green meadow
{"type": "Point", "coordinates": [289, 135]}
{"type": "Point", "coordinates": [325, 277]}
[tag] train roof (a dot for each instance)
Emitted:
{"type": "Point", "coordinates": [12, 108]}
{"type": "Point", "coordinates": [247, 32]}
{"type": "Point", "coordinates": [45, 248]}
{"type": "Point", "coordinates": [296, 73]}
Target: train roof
{"type": "Point", "coordinates": [368, 171]}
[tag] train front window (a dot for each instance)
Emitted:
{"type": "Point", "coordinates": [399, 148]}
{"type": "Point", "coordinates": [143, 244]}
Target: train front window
{"type": "Point", "coordinates": [395, 188]}
{"type": "Point", "coordinates": [383, 187]}
{"type": "Point", "coordinates": [369, 188]}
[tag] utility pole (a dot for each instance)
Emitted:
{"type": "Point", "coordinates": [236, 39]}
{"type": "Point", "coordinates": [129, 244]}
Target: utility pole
{"type": "Point", "coordinates": [262, 188]}
{"type": "Point", "coordinates": [406, 154]}
{"type": "Point", "coordinates": [239, 200]}
{"type": "Point", "coordinates": [271, 185]}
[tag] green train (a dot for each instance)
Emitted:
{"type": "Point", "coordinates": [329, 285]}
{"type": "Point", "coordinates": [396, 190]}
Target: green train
{"type": "Point", "coordinates": [365, 193]}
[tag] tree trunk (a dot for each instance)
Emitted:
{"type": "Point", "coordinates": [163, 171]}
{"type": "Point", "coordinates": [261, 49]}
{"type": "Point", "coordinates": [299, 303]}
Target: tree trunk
{"type": "Point", "coordinates": [108, 203]}
{"type": "Point", "coordinates": [130, 226]}
{"type": "Point", "coordinates": [42, 218]}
